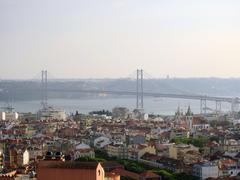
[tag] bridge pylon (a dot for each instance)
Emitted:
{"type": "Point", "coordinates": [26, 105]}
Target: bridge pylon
{"type": "Point", "coordinates": [235, 105]}
{"type": "Point", "coordinates": [203, 106]}
{"type": "Point", "coordinates": [139, 90]}
{"type": "Point", "coordinates": [44, 85]}
{"type": "Point", "coordinates": [218, 106]}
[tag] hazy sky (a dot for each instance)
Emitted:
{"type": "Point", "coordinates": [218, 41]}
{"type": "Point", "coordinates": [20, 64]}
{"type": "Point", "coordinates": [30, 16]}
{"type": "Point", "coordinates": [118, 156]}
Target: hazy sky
{"type": "Point", "coordinates": [112, 38]}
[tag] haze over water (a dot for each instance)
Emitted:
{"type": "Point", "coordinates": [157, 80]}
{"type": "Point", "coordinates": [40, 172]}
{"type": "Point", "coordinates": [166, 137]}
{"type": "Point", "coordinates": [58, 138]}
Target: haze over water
{"type": "Point", "coordinates": [161, 106]}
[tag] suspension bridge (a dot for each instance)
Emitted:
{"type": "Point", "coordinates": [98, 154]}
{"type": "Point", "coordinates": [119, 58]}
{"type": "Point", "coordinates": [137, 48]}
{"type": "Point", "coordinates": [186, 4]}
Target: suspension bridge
{"type": "Point", "coordinates": [139, 93]}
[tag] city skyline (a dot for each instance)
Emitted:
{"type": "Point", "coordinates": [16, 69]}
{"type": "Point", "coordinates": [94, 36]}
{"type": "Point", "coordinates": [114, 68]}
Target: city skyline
{"type": "Point", "coordinates": [110, 39]}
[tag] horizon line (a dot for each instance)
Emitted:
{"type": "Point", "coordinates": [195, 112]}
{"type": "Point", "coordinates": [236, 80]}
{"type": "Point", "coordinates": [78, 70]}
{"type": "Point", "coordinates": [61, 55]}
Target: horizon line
{"type": "Point", "coordinates": [119, 78]}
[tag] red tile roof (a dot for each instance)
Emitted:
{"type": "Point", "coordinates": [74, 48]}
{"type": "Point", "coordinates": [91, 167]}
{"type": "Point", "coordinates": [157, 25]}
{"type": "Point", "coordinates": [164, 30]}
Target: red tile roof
{"type": "Point", "coordinates": [126, 173]}
{"type": "Point", "coordinates": [149, 174]}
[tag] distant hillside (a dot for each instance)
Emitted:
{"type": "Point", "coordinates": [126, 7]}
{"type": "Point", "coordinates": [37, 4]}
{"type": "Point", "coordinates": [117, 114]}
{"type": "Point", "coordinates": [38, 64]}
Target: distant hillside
{"type": "Point", "coordinates": [30, 90]}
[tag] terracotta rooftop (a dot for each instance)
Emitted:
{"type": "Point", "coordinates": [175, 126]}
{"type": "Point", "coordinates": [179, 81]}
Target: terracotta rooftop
{"type": "Point", "coordinates": [212, 144]}
{"type": "Point", "coordinates": [149, 174]}
{"type": "Point", "coordinates": [125, 173]}
{"type": "Point", "coordinates": [68, 165]}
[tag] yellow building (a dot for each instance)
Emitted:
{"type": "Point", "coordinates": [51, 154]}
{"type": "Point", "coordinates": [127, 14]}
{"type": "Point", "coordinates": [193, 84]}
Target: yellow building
{"type": "Point", "coordinates": [137, 151]}
{"type": "Point", "coordinates": [117, 150]}
{"type": "Point", "coordinates": [231, 145]}
{"type": "Point", "coordinates": [187, 153]}
{"type": "Point", "coordinates": [131, 152]}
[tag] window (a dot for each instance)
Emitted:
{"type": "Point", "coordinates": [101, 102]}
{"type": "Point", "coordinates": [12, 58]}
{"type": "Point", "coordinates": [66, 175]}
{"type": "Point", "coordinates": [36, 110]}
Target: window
{"type": "Point", "coordinates": [99, 172]}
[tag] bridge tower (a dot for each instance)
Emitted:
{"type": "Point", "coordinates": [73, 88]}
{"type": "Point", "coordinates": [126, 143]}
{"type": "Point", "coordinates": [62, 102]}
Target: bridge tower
{"type": "Point", "coordinates": [235, 105]}
{"type": "Point", "coordinates": [44, 86]}
{"type": "Point", "coordinates": [218, 106]}
{"type": "Point", "coordinates": [139, 89]}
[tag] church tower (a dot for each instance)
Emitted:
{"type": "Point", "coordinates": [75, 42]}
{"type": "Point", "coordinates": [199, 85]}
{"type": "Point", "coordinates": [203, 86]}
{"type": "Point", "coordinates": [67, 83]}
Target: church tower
{"type": "Point", "coordinates": [189, 119]}
{"type": "Point", "coordinates": [178, 115]}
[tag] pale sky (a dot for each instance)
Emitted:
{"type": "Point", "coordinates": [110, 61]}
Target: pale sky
{"type": "Point", "coordinates": [112, 38]}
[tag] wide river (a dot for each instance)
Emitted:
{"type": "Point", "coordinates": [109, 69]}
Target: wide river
{"type": "Point", "coordinates": [162, 106]}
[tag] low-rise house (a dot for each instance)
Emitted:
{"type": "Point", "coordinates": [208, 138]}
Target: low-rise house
{"type": "Point", "coordinates": [118, 137]}
{"type": "Point", "coordinates": [30, 131]}
{"type": "Point", "coordinates": [163, 149]}
{"type": "Point", "coordinates": [67, 132]}
{"type": "Point", "coordinates": [165, 136]}
{"type": "Point", "coordinates": [83, 150]}
{"type": "Point", "coordinates": [101, 142]}
{"type": "Point", "coordinates": [189, 153]}
{"type": "Point", "coordinates": [117, 150]}
{"type": "Point", "coordinates": [192, 156]}
{"type": "Point", "coordinates": [136, 139]}
{"type": "Point", "coordinates": [137, 151]}
{"type": "Point", "coordinates": [205, 170]}
{"type": "Point", "coordinates": [228, 167]}
{"type": "Point", "coordinates": [198, 124]}
{"type": "Point", "coordinates": [179, 133]}
{"type": "Point", "coordinates": [212, 147]}
{"type": "Point", "coordinates": [34, 152]}
{"type": "Point", "coordinates": [151, 157]}
{"type": "Point", "coordinates": [197, 127]}
{"type": "Point", "coordinates": [174, 165]}
{"type": "Point", "coordinates": [231, 145]}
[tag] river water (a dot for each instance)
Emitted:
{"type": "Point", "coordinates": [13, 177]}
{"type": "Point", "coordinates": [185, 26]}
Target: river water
{"type": "Point", "coordinates": [163, 106]}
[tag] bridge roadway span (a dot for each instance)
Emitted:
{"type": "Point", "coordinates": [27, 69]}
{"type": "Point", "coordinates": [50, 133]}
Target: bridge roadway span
{"type": "Point", "coordinates": [155, 94]}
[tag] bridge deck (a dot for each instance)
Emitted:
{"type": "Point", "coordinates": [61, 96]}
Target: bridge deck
{"type": "Point", "coordinates": [153, 94]}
